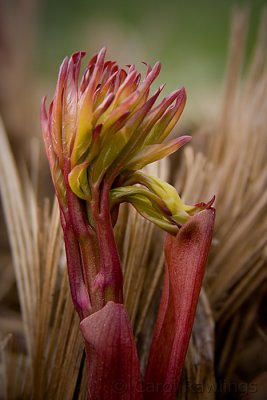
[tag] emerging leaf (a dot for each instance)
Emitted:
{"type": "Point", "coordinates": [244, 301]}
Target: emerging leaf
{"type": "Point", "coordinates": [186, 257]}
{"type": "Point", "coordinates": [113, 364]}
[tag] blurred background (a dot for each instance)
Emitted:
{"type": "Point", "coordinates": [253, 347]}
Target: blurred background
{"type": "Point", "coordinates": [189, 38]}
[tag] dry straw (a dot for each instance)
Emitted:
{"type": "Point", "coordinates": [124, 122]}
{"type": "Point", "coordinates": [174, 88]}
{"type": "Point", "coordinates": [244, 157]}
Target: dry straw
{"type": "Point", "coordinates": [44, 357]}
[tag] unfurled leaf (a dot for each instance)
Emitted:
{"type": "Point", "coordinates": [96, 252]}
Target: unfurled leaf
{"type": "Point", "coordinates": [163, 127]}
{"type": "Point", "coordinates": [155, 152]}
{"type": "Point", "coordinates": [147, 203]}
{"type": "Point", "coordinates": [157, 112]}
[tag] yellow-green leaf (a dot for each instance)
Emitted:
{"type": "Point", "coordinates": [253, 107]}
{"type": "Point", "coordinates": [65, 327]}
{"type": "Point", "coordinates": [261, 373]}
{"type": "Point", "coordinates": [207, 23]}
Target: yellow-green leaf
{"type": "Point", "coordinates": [78, 181]}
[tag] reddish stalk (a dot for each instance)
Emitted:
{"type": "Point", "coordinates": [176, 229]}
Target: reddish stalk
{"type": "Point", "coordinates": [186, 257]}
{"type": "Point", "coordinates": [109, 278]}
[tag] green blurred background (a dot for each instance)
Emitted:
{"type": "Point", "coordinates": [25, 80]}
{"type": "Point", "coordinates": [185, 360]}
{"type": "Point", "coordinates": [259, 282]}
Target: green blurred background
{"type": "Point", "coordinates": [189, 37]}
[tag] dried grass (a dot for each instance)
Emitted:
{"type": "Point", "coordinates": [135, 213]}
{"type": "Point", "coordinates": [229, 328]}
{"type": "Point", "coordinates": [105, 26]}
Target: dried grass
{"type": "Point", "coordinates": [233, 166]}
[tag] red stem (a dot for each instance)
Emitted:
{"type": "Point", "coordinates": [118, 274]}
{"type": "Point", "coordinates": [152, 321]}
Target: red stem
{"type": "Point", "coordinates": [94, 268]}
{"type": "Point", "coordinates": [109, 279]}
{"type": "Point", "coordinates": [79, 292]}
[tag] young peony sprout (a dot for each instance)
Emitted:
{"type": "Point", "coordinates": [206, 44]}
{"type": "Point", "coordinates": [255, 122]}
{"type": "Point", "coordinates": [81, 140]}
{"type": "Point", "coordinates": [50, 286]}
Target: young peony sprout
{"type": "Point", "coordinates": [98, 135]}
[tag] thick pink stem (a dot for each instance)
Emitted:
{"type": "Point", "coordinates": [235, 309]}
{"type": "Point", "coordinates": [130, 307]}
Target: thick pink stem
{"type": "Point", "coordinates": [186, 256]}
